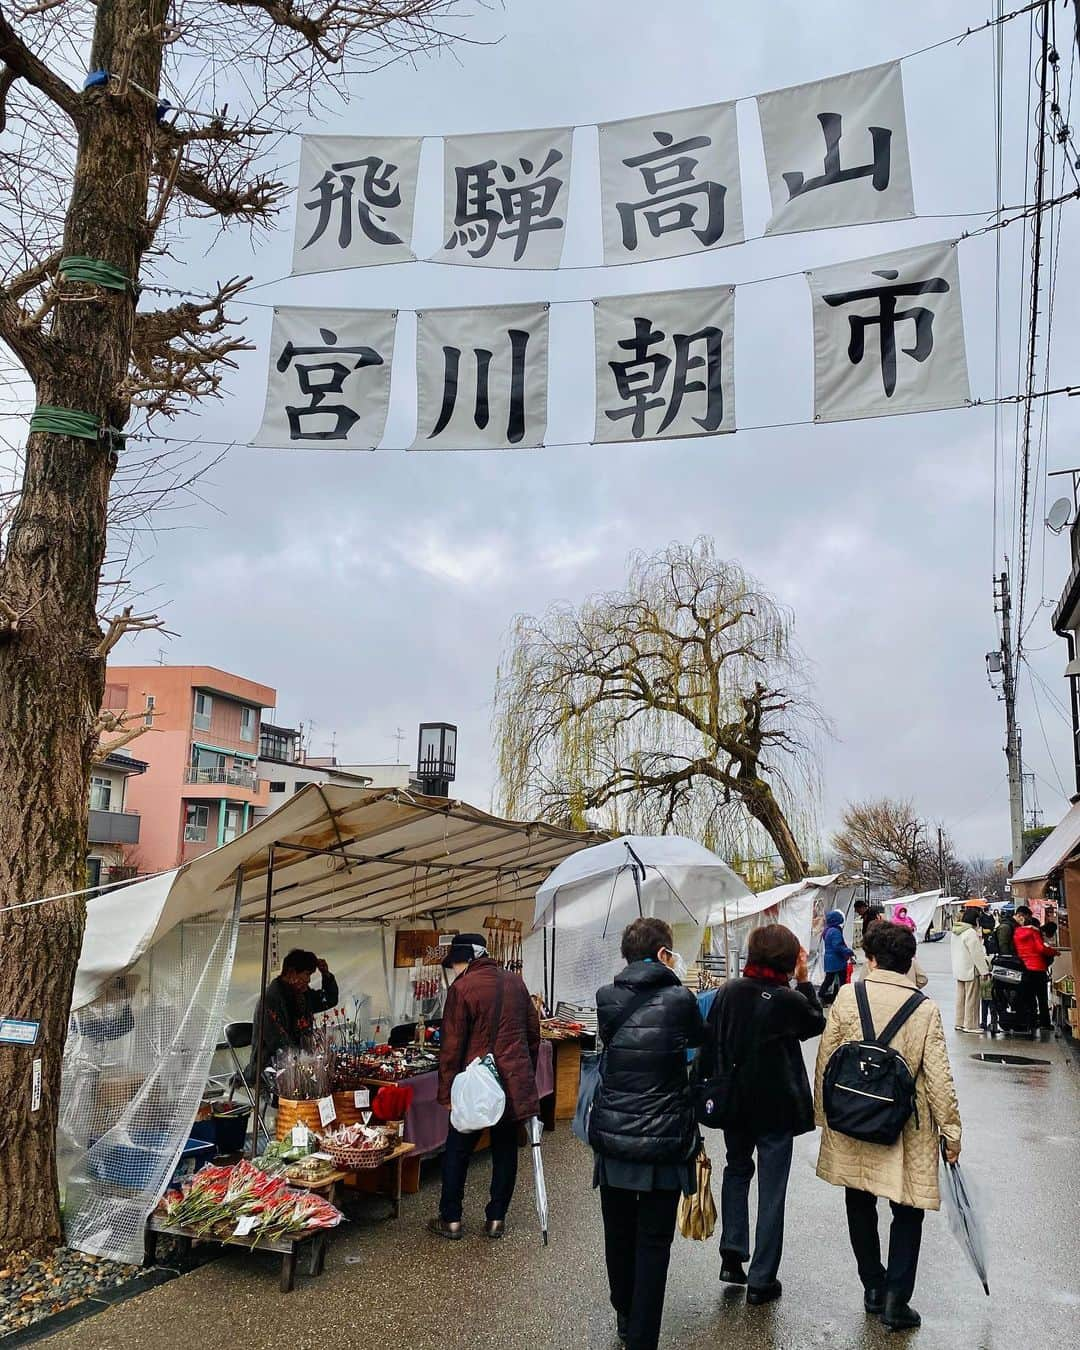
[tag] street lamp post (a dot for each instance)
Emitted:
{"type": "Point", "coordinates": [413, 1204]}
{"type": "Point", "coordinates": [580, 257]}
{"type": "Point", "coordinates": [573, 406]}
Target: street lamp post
{"type": "Point", "coordinates": [436, 757]}
{"type": "Point", "coordinates": [866, 879]}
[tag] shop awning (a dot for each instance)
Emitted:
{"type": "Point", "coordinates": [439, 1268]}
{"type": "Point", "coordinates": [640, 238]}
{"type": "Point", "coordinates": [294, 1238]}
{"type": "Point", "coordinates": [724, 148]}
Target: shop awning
{"type": "Point", "coordinates": [338, 853]}
{"type": "Point", "coordinates": [1054, 850]}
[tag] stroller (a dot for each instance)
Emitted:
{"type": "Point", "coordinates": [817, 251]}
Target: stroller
{"type": "Point", "coordinates": [1012, 1007]}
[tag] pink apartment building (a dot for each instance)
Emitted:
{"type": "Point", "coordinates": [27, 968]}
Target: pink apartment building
{"type": "Point", "coordinates": [200, 788]}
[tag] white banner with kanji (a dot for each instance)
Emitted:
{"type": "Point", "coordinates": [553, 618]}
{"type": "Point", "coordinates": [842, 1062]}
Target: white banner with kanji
{"type": "Point", "coordinates": [328, 386]}
{"type": "Point", "coordinates": [505, 198]}
{"type": "Point", "coordinates": [665, 364]}
{"type": "Point", "coordinates": [889, 335]}
{"type": "Point", "coordinates": [669, 184]}
{"type": "Point", "coordinates": [355, 203]}
{"type": "Point", "coordinates": [836, 151]}
{"type": "Point", "coordinates": [482, 376]}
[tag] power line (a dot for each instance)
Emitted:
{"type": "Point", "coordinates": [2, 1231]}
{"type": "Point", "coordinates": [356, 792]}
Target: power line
{"type": "Point", "coordinates": [1033, 326]}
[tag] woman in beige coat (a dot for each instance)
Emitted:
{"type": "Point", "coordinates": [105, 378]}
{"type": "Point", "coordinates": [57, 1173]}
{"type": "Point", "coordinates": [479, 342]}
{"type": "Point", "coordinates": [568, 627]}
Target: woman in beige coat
{"type": "Point", "coordinates": [904, 1173]}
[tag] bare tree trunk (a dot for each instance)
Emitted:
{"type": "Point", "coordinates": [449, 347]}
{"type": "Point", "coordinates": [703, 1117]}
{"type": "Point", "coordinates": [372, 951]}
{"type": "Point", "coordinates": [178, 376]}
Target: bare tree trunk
{"type": "Point", "coordinates": [765, 809]}
{"type": "Point", "coordinates": [51, 675]}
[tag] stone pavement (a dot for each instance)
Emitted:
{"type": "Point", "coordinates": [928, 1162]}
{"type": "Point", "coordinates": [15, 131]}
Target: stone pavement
{"type": "Point", "coordinates": [391, 1285]}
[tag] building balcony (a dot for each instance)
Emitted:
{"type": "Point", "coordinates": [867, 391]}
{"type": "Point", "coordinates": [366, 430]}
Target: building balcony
{"type": "Point", "coordinates": [237, 778]}
{"type": "Point", "coordinates": [113, 827]}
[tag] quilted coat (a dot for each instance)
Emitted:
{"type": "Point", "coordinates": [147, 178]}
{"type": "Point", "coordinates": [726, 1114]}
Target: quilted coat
{"type": "Point", "coordinates": [643, 1111]}
{"type": "Point", "coordinates": [907, 1171]}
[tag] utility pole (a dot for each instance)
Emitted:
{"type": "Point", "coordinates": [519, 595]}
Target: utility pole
{"type": "Point", "coordinates": [943, 876]}
{"type": "Point", "coordinates": [1003, 606]}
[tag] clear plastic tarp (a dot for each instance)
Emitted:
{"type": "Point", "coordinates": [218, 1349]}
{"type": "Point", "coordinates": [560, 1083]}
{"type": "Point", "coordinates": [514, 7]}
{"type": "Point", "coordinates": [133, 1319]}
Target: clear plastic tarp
{"type": "Point", "coordinates": [135, 1069]}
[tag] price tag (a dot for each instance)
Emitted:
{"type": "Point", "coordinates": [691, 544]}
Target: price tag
{"type": "Point", "coordinates": [362, 1098]}
{"type": "Point", "coordinates": [327, 1111]}
{"type": "Point", "coordinates": [324, 1156]}
{"type": "Point", "coordinates": [300, 1136]}
{"type": "Point", "coordinates": [246, 1225]}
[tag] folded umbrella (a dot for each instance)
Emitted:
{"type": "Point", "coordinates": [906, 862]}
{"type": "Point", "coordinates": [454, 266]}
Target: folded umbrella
{"type": "Point", "coordinates": [963, 1217]}
{"type": "Point", "coordinates": [534, 1127]}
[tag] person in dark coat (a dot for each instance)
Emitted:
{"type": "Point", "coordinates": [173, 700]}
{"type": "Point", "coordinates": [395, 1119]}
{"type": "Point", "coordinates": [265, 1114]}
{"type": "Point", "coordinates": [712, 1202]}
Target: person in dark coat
{"type": "Point", "coordinates": [642, 1127]}
{"type": "Point", "coordinates": [468, 1033]}
{"type": "Point", "coordinates": [756, 1025]}
{"type": "Point", "coordinates": [285, 1015]}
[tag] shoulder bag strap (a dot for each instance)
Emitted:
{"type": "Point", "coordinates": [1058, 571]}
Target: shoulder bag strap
{"type": "Point", "coordinates": [900, 1017]}
{"type": "Point", "coordinates": [626, 1012]}
{"type": "Point", "coordinates": [865, 1015]}
{"type": "Point", "coordinates": [500, 986]}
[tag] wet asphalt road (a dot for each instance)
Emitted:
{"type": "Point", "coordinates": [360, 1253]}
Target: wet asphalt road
{"type": "Point", "coordinates": [390, 1285]}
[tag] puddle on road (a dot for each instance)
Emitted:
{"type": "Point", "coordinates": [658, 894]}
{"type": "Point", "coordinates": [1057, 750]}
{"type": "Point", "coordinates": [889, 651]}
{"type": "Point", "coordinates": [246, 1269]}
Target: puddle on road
{"type": "Point", "coordinates": [1024, 1060]}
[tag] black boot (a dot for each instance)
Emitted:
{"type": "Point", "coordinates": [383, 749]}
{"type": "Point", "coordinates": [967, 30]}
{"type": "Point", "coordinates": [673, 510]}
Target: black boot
{"type": "Point", "coordinates": [874, 1301]}
{"type": "Point", "coordinates": [764, 1293]}
{"type": "Point", "coordinates": [622, 1326]}
{"type": "Point", "coordinates": [731, 1269]}
{"type": "Point", "coordinates": [898, 1315]}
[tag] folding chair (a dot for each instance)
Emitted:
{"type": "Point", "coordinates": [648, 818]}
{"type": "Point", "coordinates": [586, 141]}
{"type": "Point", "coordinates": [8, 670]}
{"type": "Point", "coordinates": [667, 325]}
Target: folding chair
{"type": "Point", "coordinates": [239, 1036]}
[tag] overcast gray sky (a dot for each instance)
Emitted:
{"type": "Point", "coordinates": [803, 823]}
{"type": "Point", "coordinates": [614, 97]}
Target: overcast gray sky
{"type": "Point", "coordinates": [374, 591]}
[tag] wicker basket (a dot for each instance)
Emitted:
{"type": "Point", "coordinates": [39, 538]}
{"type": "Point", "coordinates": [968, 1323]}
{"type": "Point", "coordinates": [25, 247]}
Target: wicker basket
{"type": "Point", "coordinates": [346, 1108]}
{"type": "Point", "coordinates": [355, 1159]}
{"type": "Point", "coordinates": [290, 1113]}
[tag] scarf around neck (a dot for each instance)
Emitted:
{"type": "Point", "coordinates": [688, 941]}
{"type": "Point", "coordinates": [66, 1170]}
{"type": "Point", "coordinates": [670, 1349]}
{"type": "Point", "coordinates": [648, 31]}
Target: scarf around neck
{"type": "Point", "coordinates": [767, 974]}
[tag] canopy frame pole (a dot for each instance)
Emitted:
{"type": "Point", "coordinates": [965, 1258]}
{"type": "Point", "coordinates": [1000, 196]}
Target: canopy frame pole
{"type": "Point", "coordinates": [257, 1030]}
{"type": "Point", "coordinates": [727, 948]}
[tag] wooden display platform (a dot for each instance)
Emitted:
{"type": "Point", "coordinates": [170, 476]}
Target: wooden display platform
{"type": "Point", "coordinates": [289, 1248]}
{"type": "Point", "coordinates": [567, 1055]}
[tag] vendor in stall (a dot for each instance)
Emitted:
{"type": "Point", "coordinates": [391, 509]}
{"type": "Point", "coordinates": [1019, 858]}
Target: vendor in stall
{"type": "Point", "coordinates": [285, 1015]}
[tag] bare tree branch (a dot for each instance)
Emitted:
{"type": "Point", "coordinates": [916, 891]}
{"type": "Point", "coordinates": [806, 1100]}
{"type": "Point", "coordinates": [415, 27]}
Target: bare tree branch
{"type": "Point", "coordinates": [181, 353]}
{"type": "Point", "coordinates": [127, 622]}
{"type": "Point", "coordinates": [22, 62]}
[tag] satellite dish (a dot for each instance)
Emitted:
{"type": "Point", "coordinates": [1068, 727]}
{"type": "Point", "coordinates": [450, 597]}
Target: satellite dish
{"type": "Point", "coordinates": [1059, 515]}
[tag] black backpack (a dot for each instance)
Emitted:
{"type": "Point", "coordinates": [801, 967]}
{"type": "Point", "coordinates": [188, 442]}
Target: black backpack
{"type": "Point", "coordinates": [868, 1091]}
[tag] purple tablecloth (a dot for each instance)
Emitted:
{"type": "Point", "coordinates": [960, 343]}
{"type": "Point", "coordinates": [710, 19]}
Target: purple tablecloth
{"type": "Point", "coordinates": [426, 1122]}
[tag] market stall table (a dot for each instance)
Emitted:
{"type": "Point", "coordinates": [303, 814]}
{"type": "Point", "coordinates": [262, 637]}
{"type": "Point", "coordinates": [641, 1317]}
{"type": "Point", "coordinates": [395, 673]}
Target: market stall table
{"type": "Point", "coordinates": [427, 1123]}
{"type": "Point", "coordinates": [392, 1164]}
{"type": "Point", "coordinates": [289, 1248]}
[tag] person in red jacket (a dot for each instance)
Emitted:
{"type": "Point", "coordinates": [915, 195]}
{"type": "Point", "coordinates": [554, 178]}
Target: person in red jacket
{"type": "Point", "coordinates": [468, 1033]}
{"type": "Point", "coordinates": [1038, 956]}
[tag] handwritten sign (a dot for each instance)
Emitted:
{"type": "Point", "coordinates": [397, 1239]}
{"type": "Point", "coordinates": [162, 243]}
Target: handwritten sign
{"type": "Point", "coordinates": [300, 1135]}
{"type": "Point", "coordinates": [327, 1111]}
{"type": "Point", "coordinates": [362, 1098]}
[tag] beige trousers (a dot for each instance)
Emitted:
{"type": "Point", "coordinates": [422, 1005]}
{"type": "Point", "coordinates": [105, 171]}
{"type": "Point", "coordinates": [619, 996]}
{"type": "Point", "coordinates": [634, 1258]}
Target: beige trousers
{"type": "Point", "coordinates": [968, 1004]}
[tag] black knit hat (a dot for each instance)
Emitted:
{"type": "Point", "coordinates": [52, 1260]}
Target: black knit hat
{"type": "Point", "coordinates": [464, 948]}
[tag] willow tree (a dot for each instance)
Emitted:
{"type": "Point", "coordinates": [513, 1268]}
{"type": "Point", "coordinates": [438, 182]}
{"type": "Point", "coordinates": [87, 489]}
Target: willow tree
{"type": "Point", "coordinates": [179, 117]}
{"type": "Point", "coordinates": [678, 705]}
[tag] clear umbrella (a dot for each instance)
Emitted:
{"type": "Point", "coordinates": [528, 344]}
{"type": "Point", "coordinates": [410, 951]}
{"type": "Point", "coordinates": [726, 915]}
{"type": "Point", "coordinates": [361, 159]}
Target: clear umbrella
{"type": "Point", "coordinates": [535, 1129]}
{"type": "Point", "coordinates": [963, 1217]}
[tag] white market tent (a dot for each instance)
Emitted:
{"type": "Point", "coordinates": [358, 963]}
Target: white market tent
{"type": "Point", "coordinates": [332, 855]}
{"type": "Point", "coordinates": [158, 959]}
{"type": "Point", "coordinates": [584, 905]}
{"type": "Point", "coordinates": [799, 905]}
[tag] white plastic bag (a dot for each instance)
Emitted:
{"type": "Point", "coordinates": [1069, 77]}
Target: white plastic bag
{"type": "Point", "coordinates": [477, 1099]}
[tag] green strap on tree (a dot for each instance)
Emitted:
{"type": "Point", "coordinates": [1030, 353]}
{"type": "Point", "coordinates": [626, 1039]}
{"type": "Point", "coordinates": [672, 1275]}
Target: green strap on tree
{"type": "Point", "coordinates": [78, 268]}
{"type": "Point", "coordinates": [71, 422]}
{"type": "Point", "coordinates": [66, 422]}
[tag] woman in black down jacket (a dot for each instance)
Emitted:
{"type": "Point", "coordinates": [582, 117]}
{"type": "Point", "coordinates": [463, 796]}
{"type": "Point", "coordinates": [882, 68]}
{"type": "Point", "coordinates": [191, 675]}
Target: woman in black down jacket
{"type": "Point", "coordinates": [757, 1023]}
{"type": "Point", "coordinates": [642, 1126]}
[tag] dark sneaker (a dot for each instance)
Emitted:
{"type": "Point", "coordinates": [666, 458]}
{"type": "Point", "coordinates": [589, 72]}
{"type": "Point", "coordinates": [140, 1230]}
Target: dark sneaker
{"type": "Point", "coordinates": [731, 1270]}
{"type": "Point", "coordinates": [874, 1301]}
{"type": "Point", "coordinates": [763, 1293]}
{"type": "Point", "coordinates": [898, 1315]}
{"type": "Point", "coordinates": [441, 1228]}
{"type": "Point", "coordinates": [495, 1228]}
{"type": "Point", "coordinates": [622, 1327]}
